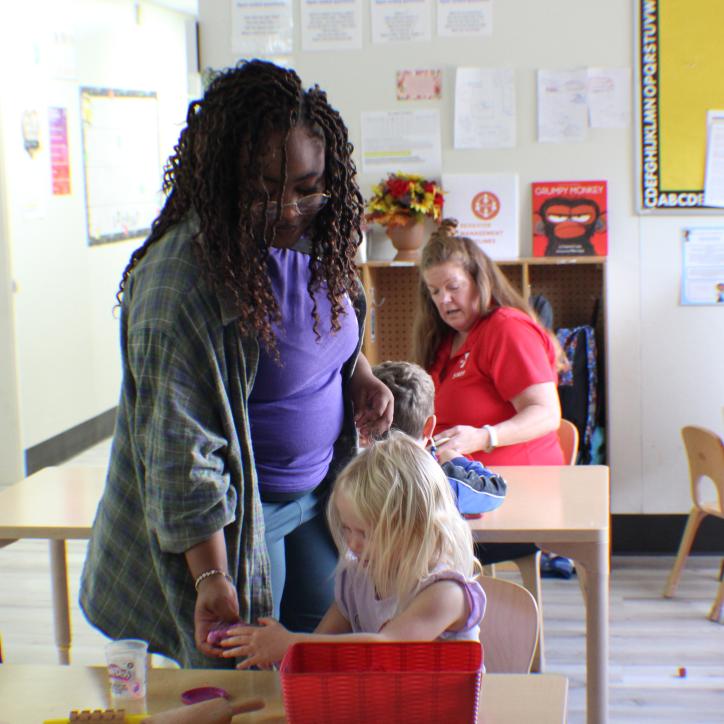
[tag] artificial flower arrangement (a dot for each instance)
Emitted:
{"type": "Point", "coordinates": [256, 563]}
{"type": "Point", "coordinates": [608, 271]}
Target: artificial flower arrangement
{"type": "Point", "coordinates": [403, 197]}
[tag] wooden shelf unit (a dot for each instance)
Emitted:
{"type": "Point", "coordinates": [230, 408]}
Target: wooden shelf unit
{"type": "Point", "coordinates": [575, 287]}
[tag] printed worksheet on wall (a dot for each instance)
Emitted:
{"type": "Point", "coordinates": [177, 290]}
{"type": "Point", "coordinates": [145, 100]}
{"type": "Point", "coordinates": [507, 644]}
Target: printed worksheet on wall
{"type": "Point", "coordinates": [401, 21]}
{"type": "Point", "coordinates": [702, 267]}
{"type": "Point", "coordinates": [406, 141]}
{"type": "Point", "coordinates": [484, 108]}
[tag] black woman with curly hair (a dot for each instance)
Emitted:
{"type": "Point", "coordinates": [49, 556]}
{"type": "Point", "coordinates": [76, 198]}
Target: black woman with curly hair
{"type": "Point", "coordinates": [243, 387]}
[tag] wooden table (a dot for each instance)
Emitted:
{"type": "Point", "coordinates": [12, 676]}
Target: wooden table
{"type": "Point", "coordinates": [30, 694]}
{"type": "Point", "coordinates": [58, 504]}
{"type": "Point", "coordinates": [564, 510]}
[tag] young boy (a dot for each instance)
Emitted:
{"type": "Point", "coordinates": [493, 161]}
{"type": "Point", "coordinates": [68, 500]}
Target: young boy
{"type": "Point", "coordinates": [477, 490]}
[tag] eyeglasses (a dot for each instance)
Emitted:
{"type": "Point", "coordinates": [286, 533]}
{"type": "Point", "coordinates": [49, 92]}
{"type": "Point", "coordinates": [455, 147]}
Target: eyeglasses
{"type": "Point", "coordinates": [305, 206]}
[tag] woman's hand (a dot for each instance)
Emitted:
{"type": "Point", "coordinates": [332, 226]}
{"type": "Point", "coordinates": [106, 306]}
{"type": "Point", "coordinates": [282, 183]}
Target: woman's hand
{"type": "Point", "coordinates": [373, 402]}
{"type": "Point", "coordinates": [459, 439]}
{"type": "Point", "coordinates": [217, 601]}
{"type": "Point", "coordinates": [263, 645]}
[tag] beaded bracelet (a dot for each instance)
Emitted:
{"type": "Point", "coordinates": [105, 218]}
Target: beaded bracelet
{"type": "Point", "coordinates": [212, 572]}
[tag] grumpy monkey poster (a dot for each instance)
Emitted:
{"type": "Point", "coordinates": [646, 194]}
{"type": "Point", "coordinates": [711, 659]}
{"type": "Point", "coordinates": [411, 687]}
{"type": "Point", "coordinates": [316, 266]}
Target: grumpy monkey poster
{"type": "Point", "coordinates": [569, 218]}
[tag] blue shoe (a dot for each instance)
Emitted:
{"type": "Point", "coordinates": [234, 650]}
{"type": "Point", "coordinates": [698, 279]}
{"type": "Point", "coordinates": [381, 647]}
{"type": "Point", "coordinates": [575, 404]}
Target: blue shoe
{"type": "Point", "coordinates": [556, 566]}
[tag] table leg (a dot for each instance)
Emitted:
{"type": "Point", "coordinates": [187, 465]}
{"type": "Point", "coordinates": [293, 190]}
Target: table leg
{"type": "Point", "coordinates": [592, 558]}
{"type": "Point", "coordinates": [61, 609]}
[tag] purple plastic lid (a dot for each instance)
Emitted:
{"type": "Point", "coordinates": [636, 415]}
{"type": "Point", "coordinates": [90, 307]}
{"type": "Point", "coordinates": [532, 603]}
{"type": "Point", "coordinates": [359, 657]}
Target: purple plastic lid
{"type": "Point", "coordinates": [203, 693]}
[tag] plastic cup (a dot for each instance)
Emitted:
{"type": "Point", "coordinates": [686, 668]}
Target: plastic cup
{"type": "Point", "coordinates": [126, 660]}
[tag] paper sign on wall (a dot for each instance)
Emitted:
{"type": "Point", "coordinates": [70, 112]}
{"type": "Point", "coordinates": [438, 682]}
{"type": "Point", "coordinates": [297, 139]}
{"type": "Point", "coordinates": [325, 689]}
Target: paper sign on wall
{"type": "Point", "coordinates": [609, 97]}
{"type": "Point", "coordinates": [59, 158]}
{"type": "Point", "coordinates": [562, 105]}
{"type": "Point", "coordinates": [331, 24]}
{"type": "Point", "coordinates": [484, 108]}
{"type": "Point", "coordinates": [419, 85]}
{"type": "Point", "coordinates": [486, 207]}
{"type": "Point", "coordinates": [399, 21]}
{"type": "Point", "coordinates": [702, 269]}
{"type": "Point", "coordinates": [401, 141]}
{"type": "Point", "coordinates": [714, 174]}
{"type": "Point", "coordinates": [261, 28]}
{"type": "Point", "coordinates": [464, 18]}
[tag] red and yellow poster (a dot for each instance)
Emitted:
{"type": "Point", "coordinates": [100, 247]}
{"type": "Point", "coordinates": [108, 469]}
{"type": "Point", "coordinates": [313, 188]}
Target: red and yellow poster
{"type": "Point", "coordinates": [569, 218]}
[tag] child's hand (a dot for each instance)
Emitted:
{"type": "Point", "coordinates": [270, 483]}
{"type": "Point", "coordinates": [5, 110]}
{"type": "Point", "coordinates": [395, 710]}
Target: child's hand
{"type": "Point", "coordinates": [262, 645]}
{"type": "Point", "coordinates": [447, 454]}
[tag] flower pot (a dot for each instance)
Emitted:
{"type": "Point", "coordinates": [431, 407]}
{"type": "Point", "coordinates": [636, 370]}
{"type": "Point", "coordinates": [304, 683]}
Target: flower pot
{"type": "Point", "coordinates": [407, 239]}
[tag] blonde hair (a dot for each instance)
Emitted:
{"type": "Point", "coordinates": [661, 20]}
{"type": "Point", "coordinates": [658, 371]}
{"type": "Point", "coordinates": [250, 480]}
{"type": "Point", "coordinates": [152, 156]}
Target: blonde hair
{"type": "Point", "coordinates": [495, 290]}
{"type": "Point", "coordinates": [404, 497]}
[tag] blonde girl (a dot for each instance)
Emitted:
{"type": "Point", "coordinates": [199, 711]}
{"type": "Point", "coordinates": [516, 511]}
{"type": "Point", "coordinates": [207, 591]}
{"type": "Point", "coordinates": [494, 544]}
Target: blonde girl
{"type": "Point", "coordinates": [406, 560]}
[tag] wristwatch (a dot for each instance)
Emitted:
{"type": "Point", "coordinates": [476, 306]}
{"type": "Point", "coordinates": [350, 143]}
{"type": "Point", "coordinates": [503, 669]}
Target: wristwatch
{"type": "Point", "coordinates": [492, 438]}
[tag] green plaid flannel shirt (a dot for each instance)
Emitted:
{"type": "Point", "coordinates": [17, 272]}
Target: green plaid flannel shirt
{"type": "Point", "coordinates": [182, 459]}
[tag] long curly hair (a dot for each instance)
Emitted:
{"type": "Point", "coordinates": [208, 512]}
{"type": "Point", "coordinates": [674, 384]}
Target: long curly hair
{"type": "Point", "coordinates": [494, 288]}
{"type": "Point", "coordinates": [215, 173]}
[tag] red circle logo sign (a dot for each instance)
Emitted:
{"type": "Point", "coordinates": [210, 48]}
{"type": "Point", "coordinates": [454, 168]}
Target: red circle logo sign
{"type": "Point", "coordinates": [485, 205]}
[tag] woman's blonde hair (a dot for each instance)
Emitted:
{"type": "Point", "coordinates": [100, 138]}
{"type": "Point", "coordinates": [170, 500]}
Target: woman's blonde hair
{"type": "Point", "coordinates": [403, 496]}
{"type": "Point", "coordinates": [495, 290]}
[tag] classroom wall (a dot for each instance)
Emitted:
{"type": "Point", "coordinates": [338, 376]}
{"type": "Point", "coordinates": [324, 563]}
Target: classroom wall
{"type": "Point", "coordinates": [663, 361]}
{"type": "Point", "coordinates": [11, 464]}
{"type": "Point", "coordinates": [60, 319]}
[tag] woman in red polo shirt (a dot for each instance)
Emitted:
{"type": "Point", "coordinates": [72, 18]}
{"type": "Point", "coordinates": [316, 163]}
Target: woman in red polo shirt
{"type": "Point", "coordinates": [494, 367]}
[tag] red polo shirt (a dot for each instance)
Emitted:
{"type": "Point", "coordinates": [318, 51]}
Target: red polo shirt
{"type": "Point", "coordinates": [504, 353]}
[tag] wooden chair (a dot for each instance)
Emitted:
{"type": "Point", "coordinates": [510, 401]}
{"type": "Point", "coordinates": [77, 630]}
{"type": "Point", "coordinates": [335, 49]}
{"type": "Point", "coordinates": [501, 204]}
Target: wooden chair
{"type": "Point", "coordinates": [509, 630]}
{"type": "Point", "coordinates": [705, 452]}
{"type": "Point", "coordinates": [568, 438]}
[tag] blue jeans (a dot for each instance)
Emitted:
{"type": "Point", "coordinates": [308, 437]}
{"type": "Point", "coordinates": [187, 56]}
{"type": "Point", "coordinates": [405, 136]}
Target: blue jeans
{"type": "Point", "coordinates": [303, 558]}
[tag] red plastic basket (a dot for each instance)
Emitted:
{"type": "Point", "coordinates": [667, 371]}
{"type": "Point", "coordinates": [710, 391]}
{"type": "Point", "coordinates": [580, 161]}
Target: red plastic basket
{"type": "Point", "coordinates": [432, 681]}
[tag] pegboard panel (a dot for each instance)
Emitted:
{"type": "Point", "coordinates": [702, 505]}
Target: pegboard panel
{"type": "Point", "coordinates": [514, 274]}
{"type": "Point", "coordinates": [572, 290]}
{"type": "Point", "coordinates": [391, 300]}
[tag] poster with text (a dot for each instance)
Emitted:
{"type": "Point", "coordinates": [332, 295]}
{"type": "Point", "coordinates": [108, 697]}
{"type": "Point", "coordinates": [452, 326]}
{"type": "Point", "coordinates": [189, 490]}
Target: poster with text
{"type": "Point", "coordinates": [331, 25]}
{"type": "Point", "coordinates": [570, 218]}
{"type": "Point", "coordinates": [59, 157]}
{"type": "Point", "coordinates": [486, 208]}
{"type": "Point", "coordinates": [464, 18]}
{"type": "Point", "coordinates": [401, 21]}
{"type": "Point", "coordinates": [702, 268]}
{"type": "Point", "coordinates": [261, 27]}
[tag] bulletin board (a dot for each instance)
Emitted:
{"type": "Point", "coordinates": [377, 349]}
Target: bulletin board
{"type": "Point", "coordinates": [681, 77]}
{"type": "Point", "coordinates": [123, 172]}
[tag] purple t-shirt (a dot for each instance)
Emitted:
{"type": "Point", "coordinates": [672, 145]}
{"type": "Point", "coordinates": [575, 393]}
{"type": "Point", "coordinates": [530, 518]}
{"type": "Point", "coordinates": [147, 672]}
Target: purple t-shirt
{"type": "Point", "coordinates": [296, 409]}
{"type": "Point", "coordinates": [357, 601]}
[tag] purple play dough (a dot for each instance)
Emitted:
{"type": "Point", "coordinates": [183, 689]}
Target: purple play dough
{"type": "Point", "coordinates": [203, 693]}
{"type": "Point", "coordinates": [219, 632]}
